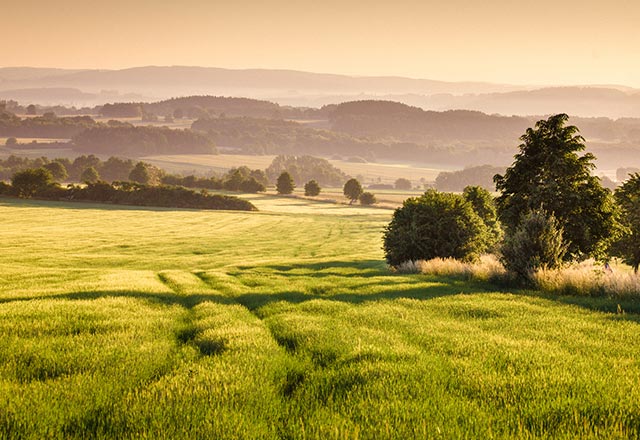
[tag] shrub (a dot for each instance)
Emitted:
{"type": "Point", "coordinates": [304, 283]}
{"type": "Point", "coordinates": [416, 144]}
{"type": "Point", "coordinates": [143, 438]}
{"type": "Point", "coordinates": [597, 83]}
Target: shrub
{"type": "Point", "coordinates": [537, 243]}
{"type": "Point", "coordinates": [367, 198]}
{"type": "Point", "coordinates": [311, 188]}
{"type": "Point", "coordinates": [251, 185]}
{"type": "Point", "coordinates": [484, 205]}
{"type": "Point", "coordinates": [434, 225]}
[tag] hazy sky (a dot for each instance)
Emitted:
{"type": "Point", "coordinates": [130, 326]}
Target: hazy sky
{"type": "Point", "coordinates": [541, 42]}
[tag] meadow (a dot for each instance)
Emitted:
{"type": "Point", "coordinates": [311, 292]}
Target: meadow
{"type": "Point", "coordinates": [124, 322]}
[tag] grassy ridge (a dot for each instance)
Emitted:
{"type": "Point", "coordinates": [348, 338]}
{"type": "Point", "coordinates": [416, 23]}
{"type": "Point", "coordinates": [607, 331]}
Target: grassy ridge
{"type": "Point", "coordinates": [157, 323]}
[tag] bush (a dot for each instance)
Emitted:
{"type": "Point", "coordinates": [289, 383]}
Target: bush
{"type": "Point", "coordinates": [537, 243]}
{"type": "Point", "coordinates": [434, 225]}
{"type": "Point", "coordinates": [367, 198]}
{"type": "Point", "coordinates": [311, 188]}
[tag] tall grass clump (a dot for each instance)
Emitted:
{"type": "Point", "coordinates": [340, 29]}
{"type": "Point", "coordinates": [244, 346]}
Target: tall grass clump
{"type": "Point", "coordinates": [487, 268]}
{"type": "Point", "coordinates": [588, 279]}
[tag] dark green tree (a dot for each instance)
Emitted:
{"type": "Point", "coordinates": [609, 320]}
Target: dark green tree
{"type": "Point", "coordinates": [434, 225]}
{"type": "Point", "coordinates": [536, 243]}
{"type": "Point", "coordinates": [352, 190]}
{"type": "Point", "coordinates": [628, 244]}
{"type": "Point", "coordinates": [285, 184]}
{"type": "Point", "coordinates": [311, 188]}
{"type": "Point", "coordinates": [251, 185]}
{"type": "Point", "coordinates": [11, 142]}
{"type": "Point", "coordinates": [140, 173]}
{"type": "Point", "coordinates": [90, 175]}
{"type": "Point", "coordinates": [32, 110]}
{"type": "Point", "coordinates": [367, 198]}
{"type": "Point", "coordinates": [26, 183]}
{"type": "Point", "coordinates": [57, 169]}
{"type": "Point", "coordinates": [548, 172]}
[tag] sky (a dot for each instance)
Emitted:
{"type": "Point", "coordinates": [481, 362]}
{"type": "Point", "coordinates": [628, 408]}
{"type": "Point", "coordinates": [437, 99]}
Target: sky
{"type": "Point", "coordinates": [517, 42]}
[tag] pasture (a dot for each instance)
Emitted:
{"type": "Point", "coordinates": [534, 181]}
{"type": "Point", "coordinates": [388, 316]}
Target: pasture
{"type": "Point", "coordinates": [124, 322]}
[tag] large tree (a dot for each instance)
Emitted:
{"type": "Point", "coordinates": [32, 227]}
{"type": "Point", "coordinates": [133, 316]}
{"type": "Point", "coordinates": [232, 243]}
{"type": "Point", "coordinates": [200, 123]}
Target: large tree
{"type": "Point", "coordinates": [628, 198]}
{"type": "Point", "coordinates": [26, 183]}
{"type": "Point", "coordinates": [549, 173]}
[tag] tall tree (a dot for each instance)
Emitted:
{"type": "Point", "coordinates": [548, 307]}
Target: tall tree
{"type": "Point", "coordinates": [628, 198]}
{"type": "Point", "coordinates": [549, 173]}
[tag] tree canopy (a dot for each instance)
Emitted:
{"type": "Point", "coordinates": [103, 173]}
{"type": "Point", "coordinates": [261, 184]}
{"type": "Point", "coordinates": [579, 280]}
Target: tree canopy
{"type": "Point", "coordinates": [434, 225]}
{"type": "Point", "coordinates": [628, 198]}
{"type": "Point", "coordinates": [285, 184]}
{"type": "Point", "coordinates": [352, 190]}
{"type": "Point", "coordinates": [549, 173]}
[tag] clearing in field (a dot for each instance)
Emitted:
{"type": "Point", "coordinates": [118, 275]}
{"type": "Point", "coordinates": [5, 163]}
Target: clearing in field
{"type": "Point", "coordinates": [122, 322]}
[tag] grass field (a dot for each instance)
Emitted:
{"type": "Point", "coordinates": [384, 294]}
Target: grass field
{"type": "Point", "coordinates": [121, 322]}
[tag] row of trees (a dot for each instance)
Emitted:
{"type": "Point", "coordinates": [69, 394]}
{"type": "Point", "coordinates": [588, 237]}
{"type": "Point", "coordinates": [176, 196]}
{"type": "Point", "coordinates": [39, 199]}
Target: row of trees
{"type": "Point", "coordinates": [352, 189]}
{"type": "Point", "coordinates": [38, 182]}
{"type": "Point", "coordinates": [551, 208]}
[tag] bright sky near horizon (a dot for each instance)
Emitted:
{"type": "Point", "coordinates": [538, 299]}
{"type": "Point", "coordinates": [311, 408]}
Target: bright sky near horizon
{"type": "Point", "coordinates": [508, 41]}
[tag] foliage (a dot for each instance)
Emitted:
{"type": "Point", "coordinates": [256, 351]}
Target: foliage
{"type": "Point", "coordinates": [434, 225]}
{"type": "Point", "coordinates": [26, 183]}
{"type": "Point", "coordinates": [352, 190]}
{"type": "Point", "coordinates": [127, 139]}
{"type": "Point", "coordinates": [367, 198]}
{"type": "Point", "coordinates": [284, 184]}
{"type": "Point", "coordinates": [484, 205]}
{"type": "Point", "coordinates": [57, 169]}
{"type": "Point", "coordinates": [90, 175]}
{"type": "Point", "coordinates": [44, 126]}
{"type": "Point", "coordinates": [305, 168]}
{"type": "Point", "coordinates": [311, 188]}
{"type": "Point", "coordinates": [11, 142]}
{"type": "Point", "coordinates": [237, 179]}
{"type": "Point", "coordinates": [549, 173]}
{"type": "Point", "coordinates": [628, 198]}
{"type": "Point", "coordinates": [536, 243]}
{"type": "Point", "coordinates": [455, 181]}
{"type": "Point", "coordinates": [140, 173]}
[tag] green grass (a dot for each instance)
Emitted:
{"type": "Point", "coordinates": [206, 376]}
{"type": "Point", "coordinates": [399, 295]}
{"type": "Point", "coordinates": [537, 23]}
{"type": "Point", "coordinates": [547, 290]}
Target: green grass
{"type": "Point", "coordinates": [122, 322]}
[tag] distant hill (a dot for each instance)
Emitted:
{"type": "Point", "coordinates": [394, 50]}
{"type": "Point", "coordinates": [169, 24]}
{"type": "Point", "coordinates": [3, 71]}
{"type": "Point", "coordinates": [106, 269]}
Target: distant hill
{"type": "Point", "coordinates": [306, 89]}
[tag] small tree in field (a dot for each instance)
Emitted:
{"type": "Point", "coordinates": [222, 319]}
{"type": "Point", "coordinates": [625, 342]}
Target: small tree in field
{"type": "Point", "coordinates": [26, 183]}
{"type": "Point", "coordinates": [536, 243]}
{"type": "Point", "coordinates": [311, 188]}
{"type": "Point", "coordinates": [284, 184]}
{"type": "Point", "coordinates": [367, 198]}
{"type": "Point", "coordinates": [352, 190]}
{"type": "Point", "coordinates": [434, 225]}
{"type": "Point", "coordinates": [90, 175]}
{"type": "Point", "coordinates": [11, 142]}
{"type": "Point", "coordinates": [403, 183]}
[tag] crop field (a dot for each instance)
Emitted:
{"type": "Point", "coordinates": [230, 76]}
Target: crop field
{"type": "Point", "coordinates": [123, 322]}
